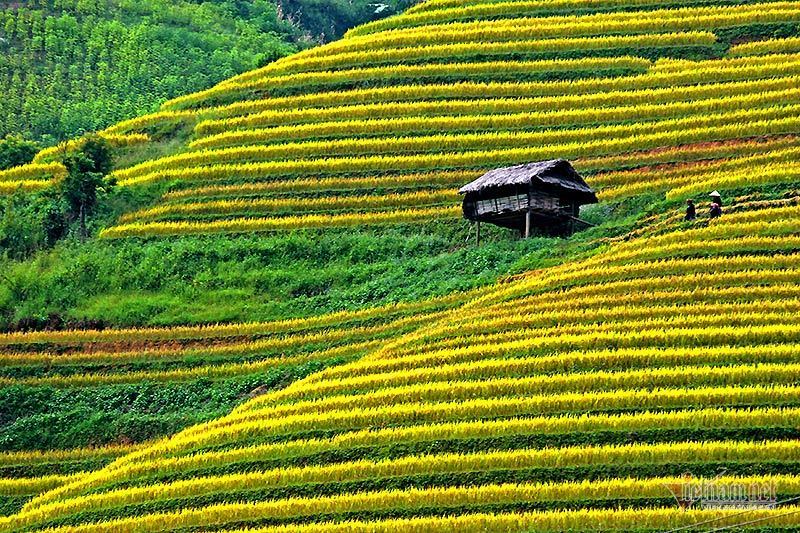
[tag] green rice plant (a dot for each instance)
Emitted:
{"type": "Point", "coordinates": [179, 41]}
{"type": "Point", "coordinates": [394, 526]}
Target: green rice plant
{"type": "Point", "coordinates": [234, 225]}
{"type": "Point", "coordinates": [790, 45]}
{"type": "Point", "coordinates": [437, 12]}
{"type": "Point", "coordinates": [513, 121]}
{"type": "Point", "coordinates": [294, 205]}
{"type": "Point", "coordinates": [476, 106]}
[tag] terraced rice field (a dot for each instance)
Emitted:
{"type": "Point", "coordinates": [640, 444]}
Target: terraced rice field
{"type": "Point", "coordinates": [543, 403]}
{"type": "Point", "coordinates": [382, 126]}
{"type": "Point", "coordinates": [565, 398]}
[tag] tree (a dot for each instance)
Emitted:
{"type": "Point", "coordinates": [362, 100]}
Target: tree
{"type": "Point", "coordinates": [15, 151]}
{"type": "Point", "coordinates": [98, 151]}
{"type": "Point", "coordinates": [86, 176]}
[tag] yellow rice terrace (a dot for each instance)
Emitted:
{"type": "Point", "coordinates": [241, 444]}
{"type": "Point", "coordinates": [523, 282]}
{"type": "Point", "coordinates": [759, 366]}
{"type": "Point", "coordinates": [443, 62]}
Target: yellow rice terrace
{"type": "Point", "coordinates": [359, 357]}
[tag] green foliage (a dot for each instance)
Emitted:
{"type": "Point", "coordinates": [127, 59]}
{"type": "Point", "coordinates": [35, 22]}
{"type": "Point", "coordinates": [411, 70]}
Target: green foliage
{"type": "Point", "coordinates": [11, 504]}
{"type": "Point", "coordinates": [47, 417]}
{"type": "Point", "coordinates": [98, 155]}
{"type": "Point", "coordinates": [54, 468]}
{"type": "Point", "coordinates": [71, 66]}
{"type": "Point", "coordinates": [15, 151]}
{"type": "Point", "coordinates": [29, 223]}
{"type": "Point", "coordinates": [258, 277]}
{"type": "Point", "coordinates": [86, 176]}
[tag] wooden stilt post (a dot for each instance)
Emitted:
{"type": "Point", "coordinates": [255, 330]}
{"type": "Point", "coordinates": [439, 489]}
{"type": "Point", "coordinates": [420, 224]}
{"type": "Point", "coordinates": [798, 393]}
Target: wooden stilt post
{"type": "Point", "coordinates": [528, 215]}
{"type": "Point", "coordinates": [576, 210]}
{"type": "Point", "coordinates": [528, 223]}
{"type": "Point", "coordinates": [478, 233]}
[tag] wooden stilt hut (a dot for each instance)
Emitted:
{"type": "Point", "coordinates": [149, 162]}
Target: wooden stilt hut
{"type": "Point", "coordinates": [546, 195]}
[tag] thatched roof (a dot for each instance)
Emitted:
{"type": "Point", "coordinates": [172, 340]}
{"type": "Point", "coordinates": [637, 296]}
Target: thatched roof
{"type": "Point", "coordinates": [556, 174]}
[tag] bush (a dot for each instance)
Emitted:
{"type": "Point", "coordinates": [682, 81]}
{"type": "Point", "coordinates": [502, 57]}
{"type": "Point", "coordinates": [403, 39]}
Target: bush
{"type": "Point", "coordinates": [29, 223]}
{"type": "Point", "coordinates": [15, 151]}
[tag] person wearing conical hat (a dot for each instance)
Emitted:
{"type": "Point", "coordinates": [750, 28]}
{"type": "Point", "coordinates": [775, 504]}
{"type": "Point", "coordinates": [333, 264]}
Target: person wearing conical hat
{"type": "Point", "coordinates": [716, 205]}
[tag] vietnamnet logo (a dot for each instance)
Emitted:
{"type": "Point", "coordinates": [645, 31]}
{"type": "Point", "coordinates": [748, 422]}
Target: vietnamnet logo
{"type": "Point", "coordinates": [723, 493]}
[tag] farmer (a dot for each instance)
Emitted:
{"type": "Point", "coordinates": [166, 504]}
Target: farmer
{"type": "Point", "coordinates": [716, 205]}
{"type": "Point", "coordinates": [691, 211]}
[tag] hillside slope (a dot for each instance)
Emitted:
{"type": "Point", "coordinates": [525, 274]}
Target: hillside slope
{"type": "Point", "coordinates": [71, 67]}
{"type": "Point", "coordinates": [567, 397]}
{"type": "Point", "coordinates": [627, 370]}
{"type": "Point", "coordinates": [77, 66]}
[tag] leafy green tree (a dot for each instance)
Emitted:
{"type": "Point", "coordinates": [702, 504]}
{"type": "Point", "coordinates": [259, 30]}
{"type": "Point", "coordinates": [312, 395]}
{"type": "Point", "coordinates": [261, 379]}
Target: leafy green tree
{"type": "Point", "coordinates": [86, 176]}
{"type": "Point", "coordinates": [15, 151]}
